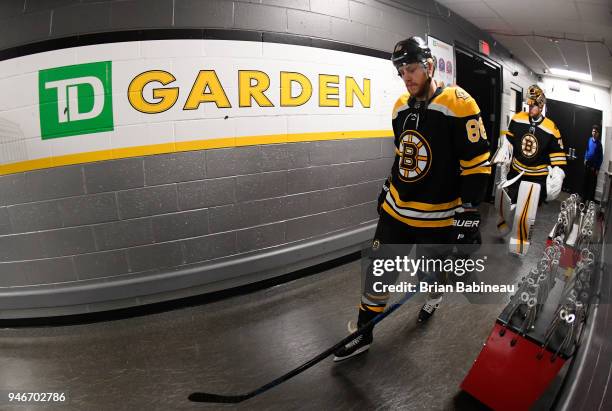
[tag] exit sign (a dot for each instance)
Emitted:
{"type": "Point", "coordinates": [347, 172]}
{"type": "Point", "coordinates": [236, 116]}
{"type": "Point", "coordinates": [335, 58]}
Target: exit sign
{"type": "Point", "coordinates": [483, 47]}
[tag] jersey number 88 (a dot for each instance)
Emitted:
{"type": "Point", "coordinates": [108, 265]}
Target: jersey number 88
{"type": "Point", "coordinates": [475, 130]}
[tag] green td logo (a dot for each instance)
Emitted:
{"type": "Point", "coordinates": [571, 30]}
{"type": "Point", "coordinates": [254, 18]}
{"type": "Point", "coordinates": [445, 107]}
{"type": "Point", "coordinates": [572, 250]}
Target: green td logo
{"type": "Point", "coordinates": [75, 100]}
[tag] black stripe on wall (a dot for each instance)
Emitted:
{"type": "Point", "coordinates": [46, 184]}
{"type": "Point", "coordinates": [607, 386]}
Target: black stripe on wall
{"type": "Point", "coordinates": [175, 34]}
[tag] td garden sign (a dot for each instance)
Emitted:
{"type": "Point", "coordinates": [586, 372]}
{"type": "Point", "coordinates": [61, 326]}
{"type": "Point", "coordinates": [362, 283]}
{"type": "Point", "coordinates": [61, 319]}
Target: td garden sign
{"type": "Point", "coordinates": [252, 88]}
{"type": "Point", "coordinates": [137, 98]}
{"type": "Point", "coordinates": [78, 99]}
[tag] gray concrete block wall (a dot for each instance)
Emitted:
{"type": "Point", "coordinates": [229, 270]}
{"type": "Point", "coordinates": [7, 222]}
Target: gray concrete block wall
{"type": "Point", "coordinates": [156, 212]}
{"type": "Point", "coordinates": [132, 14]}
{"type": "Point", "coordinates": [79, 18]}
{"type": "Point", "coordinates": [370, 23]}
{"type": "Point", "coordinates": [197, 13]}
{"type": "Point", "coordinates": [125, 217]}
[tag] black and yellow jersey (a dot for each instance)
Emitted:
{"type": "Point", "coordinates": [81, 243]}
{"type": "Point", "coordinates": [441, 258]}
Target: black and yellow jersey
{"type": "Point", "coordinates": [442, 158]}
{"type": "Point", "coordinates": [536, 144]}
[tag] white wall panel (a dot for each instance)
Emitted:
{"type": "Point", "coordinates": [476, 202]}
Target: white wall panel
{"type": "Point", "coordinates": [229, 48]}
{"type": "Point", "coordinates": [590, 96]}
{"type": "Point", "coordinates": [41, 61]}
{"type": "Point", "coordinates": [19, 91]}
{"type": "Point", "coordinates": [37, 151]}
{"type": "Point", "coordinates": [142, 135]}
{"type": "Point", "coordinates": [184, 59]}
{"type": "Point", "coordinates": [13, 152]}
{"type": "Point", "coordinates": [261, 125]}
{"type": "Point", "coordinates": [168, 48]}
{"type": "Point", "coordinates": [85, 143]}
{"type": "Point", "coordinates": [24, 122]}
{"type": "Point", "coordinates": [192, 130]}
{"type": "Point", "coordinates": [128, 51]}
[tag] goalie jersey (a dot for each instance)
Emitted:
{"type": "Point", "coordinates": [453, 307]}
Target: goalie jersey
{"type": "Point", "coordinates": [536, 145]}
{"type": "Point", "coordinates": [441, 158]}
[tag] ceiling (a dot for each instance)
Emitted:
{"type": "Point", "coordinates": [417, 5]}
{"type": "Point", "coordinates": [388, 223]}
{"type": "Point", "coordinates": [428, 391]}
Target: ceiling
{"type": "Point", "coordinates": [537, 32]}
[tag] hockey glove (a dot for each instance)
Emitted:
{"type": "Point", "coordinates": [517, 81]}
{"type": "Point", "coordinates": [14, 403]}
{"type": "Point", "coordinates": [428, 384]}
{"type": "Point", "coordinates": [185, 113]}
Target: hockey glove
{"type": "Point", "coordinates": [467, 229]}
{"type": "Point", "coordinates": [383, 194]}
{"type": "Point", "coordinates": [554, 182]}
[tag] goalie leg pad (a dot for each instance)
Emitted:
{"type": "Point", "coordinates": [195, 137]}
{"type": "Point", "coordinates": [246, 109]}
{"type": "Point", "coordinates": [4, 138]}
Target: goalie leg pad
{"type": "Point", "coordinates": [505, 211]}
{"type": "Point", "coordinates": [524, 217]}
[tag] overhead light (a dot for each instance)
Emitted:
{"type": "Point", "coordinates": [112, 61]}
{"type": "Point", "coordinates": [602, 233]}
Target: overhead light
{"type": "Point", "coordinates": [573, 85]}
{"type": "Point", "coordinates": [571, 74]}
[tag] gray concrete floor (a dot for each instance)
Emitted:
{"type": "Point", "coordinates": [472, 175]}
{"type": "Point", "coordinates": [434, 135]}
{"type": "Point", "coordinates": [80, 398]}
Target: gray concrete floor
{"type": "Point", "coordinates": [153, 362]}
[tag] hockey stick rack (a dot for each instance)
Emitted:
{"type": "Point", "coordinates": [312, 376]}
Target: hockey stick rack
{"type": "Point", "coordinates": [539, 330]}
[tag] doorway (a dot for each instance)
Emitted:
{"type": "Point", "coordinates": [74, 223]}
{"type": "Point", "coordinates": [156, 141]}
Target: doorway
{"type": "Point", "coordinates": [574, 123]}
{"type": "Point", "coordinates": [482, 79]}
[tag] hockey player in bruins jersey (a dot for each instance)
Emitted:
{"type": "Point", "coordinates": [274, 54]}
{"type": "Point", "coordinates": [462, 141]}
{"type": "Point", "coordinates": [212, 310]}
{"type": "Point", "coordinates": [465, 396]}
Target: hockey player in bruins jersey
{"type": "Point", "coordinates": [438, 177]}
{"type": "Point", "coordinates": [532, 149]}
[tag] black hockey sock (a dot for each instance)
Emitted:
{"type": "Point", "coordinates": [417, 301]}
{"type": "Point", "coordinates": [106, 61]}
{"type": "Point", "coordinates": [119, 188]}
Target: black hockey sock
{"type": "Point", "coordinates": [366, 313]}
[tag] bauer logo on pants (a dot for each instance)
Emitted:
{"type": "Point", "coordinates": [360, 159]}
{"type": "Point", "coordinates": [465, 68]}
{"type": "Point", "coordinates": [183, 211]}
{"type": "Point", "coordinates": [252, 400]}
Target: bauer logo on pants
{"type": "Point", "coordinates": [75, 100]}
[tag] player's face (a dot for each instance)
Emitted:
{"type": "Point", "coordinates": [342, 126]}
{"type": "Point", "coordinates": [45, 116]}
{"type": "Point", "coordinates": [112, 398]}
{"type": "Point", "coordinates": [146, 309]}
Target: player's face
{"type": "Point", "coordinates": [595, 133]}
{"type": "Point", "coordinates": [534, 110]}
{"type": "Point", "coordinates": [415, 78]}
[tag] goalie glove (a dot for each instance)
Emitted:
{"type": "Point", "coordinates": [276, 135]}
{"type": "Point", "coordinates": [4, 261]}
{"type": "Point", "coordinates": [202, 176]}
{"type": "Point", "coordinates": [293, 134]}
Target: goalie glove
{"type": "Point", "coordinates": [503, 158]}
{"type": "Point", "coordinates": [383, 194]}
{"type": "Point", "coordinates": [554, 182]}
{"type": "Point", "coordinates": [503, 154]}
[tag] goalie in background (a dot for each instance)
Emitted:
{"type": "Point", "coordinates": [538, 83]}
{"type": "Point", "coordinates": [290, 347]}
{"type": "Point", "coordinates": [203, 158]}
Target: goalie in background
{"type": "Point", "coordinates": [531, 164]}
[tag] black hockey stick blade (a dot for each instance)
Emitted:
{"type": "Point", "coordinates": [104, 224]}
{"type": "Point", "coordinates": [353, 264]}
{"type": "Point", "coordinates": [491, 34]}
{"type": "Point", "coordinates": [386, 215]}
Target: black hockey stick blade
{"type": "Point", "coordinates": [233, 399]}
{"type": "Point", "coordinates": [216, 398]}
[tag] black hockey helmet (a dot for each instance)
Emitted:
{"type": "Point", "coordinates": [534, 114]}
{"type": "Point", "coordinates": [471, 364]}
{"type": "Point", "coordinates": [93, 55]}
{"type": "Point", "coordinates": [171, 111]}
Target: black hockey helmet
{"type": "Point", "coordinates": [411, 50]}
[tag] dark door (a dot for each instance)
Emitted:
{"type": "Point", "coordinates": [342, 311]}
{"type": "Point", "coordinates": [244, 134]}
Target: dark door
{"type": "Point", "coordinates": [481, 78]}
{"type": "Point", "coordinates": [575, 124]}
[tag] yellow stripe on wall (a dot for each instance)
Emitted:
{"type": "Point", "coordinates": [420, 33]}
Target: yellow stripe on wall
{"type": "Point", "coordinates": [139, 151]}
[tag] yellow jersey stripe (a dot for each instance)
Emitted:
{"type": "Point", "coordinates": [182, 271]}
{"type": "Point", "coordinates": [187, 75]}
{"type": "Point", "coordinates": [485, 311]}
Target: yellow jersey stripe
{"type": "Point", "coordinates": [521, 115]}
{"type": "Point", "coordinates": [422, 206]}
{"type": "Point", "coordinates": [417, 223]}
{"type": "Point", "coordinates": [476, 160]}
{"type": "Point", "coordinates": [400, 104]}
{"type": "Point", "coordinates": [531, 173]}
{"type": "Point", "coordinates": [558, 163]}
{"type": "Point", "coordinates": [535, 168]}
{"type": "Point", "coordinates": [560, 153]}
{"type": "Point", "coordinates": [454, 105]}
{"type": "Point", "coordinates": [477, 170]}
{"type": "Point", "coordinates": [550, 127]}
{"type": "Point", "coordinates": [521, 120]}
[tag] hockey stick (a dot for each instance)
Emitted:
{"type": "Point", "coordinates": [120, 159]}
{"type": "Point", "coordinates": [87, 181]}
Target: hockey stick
{"type": "Point", "coordinates": [232, 399]}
